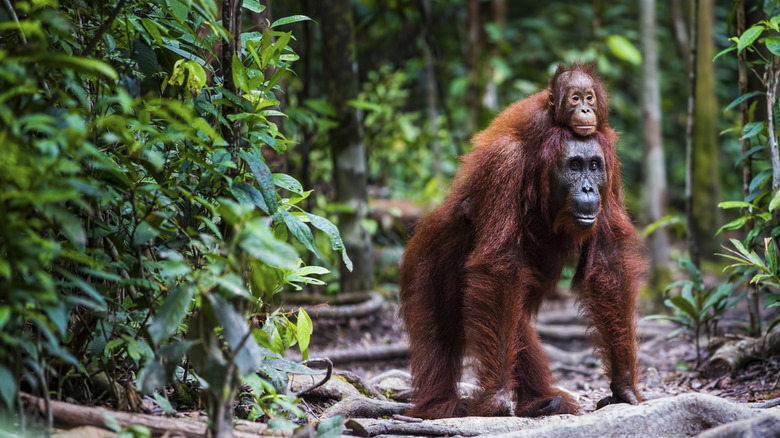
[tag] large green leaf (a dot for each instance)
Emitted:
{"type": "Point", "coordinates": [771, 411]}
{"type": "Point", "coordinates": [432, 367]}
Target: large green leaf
{"type": "Point", "coordinates": [7, 387]}
{"type": "Point", "coordinates": [88, 66]}
{"type": "Point", "coordinates": [621, 47]}
{"type": "Point", "coordinates": [263, 177]}
{"type": "Point", "coordinates": [327, 226]}
{"type": "Point", "coordinates": [258, 240]}
{"type": "Point", "coordinates": [237, 334]}
{"type": "Point", "coordinates": [332, 427]}
{"type": "Point", "coordinates": [248, 194]}
{"type": "Point", "coordinates": [300, 231]}
{"type": "Point", "coordinates": [170, 314]}
{"type": "Point", "coordinates": [290, 19]}
{"type": "Point", "coordinates": [749, 36]}
{"type": "Point", "coordinates": [305, 329]}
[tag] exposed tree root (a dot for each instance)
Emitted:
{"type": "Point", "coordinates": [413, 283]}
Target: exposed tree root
{"type": "Point", "coordinates": [734, 355]}
{"type": "Point", "coordinates": [352, 305]}
{"type": "Point", "coordinates": [365, 407]}
{"type": "Point", "coordinates": [684, 415]}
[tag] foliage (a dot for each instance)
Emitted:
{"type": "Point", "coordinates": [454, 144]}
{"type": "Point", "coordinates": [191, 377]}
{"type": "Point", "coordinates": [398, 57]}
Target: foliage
{"type": "Point", "coordinates": [398, 142]}
{"type": "Point", "coordinates": [134, 235]}
{"type": "Point", "coordinates": [697, 306]}
{"type": "Point", "coordinates": [759, 210]}
{"type": "Point", "coordinates": [764, 271]}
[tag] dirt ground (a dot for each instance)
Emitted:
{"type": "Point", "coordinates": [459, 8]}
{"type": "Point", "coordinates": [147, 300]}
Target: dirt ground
{"type": "Point", "coordinates": [666, 364]}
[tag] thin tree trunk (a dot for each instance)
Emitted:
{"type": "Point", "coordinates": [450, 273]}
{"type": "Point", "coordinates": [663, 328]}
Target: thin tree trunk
{"type": "Point", "coordinates": [231, 19]}
{"type": "Point", "coordinates": [706, 183]}
{"type": "Point", "coordinates": [691, 231]}
{"type": "Point", "coordinates": [306, 93]}
{"type": "Point", "coordinates": [680, 35]}
{"type": "Point", "coordinates": [221, 406]}
{"type": "Point", "coordinates": [655, 170]}
{"type": "Point", "coordinates": [430, 75]}
{"type": "Point", "coordinates": [349, 156]}
{"type": "Point", "coordinates": [490, 97]}
{"type": "Point", "coordinates": [473, 31]}
{"type": "Point", "coordinates": [771, 96]}
{"type": "Point", "coordinates": [747, 163]}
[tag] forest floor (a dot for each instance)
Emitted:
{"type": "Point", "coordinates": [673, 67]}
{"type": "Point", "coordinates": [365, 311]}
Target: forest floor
{"type": "Point", "coordinates": [363, 345]}
{"type": "Point", "coordinates": [369, 355]}
{"type": "Point", "coordinates": [667, 365]}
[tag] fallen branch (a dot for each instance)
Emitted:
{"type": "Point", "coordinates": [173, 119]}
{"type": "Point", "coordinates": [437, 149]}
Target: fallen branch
{"type": "Point", "coordinates": [734, 355]}
{"type": "Point", "coordinates": [70, 415]}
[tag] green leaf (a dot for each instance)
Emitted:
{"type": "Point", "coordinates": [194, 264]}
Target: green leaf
{"type": "Point", "coordinates": [144, 232]}
{"type": "Point", "coordinates": [771, 257]}
{"type": "Point", "coordinates": [235, 330]}
{"type": "Point", "coordinates": [743, 98]}
{"type": "Point", "coordinates": [327, 226]}
{"type": "Point", "coordinates": [300, 231]}
{"type": "Point", "coordinates": [144, 56]}
{"type": "Point", "coordinates": [7, 387]}
{"type": "Point", "coordinates": [165, 405]}
{"type": "Point", "coordinates": [172, 311]}
{"type": "Point", "coordinates": [254, 6]}
{"type": "Point", "coordinates": [664, 221]}
{"type": "Point", "coordinates": [287, 182]}
{"type": "Point", "coordinates": [290, 19]}
{"type": "Point", "coordinates": [304, 328]}
{"type": "Point", "coordinates": [621, 47]}
{"type": "Point", "coordinates": [332, 427]}
{"type": "Point", "coordinates": [775, 201]}
{"type": "Point", "coordinates": [277, 76]}
{"type": "Point", "coordinates": [760, 179]}
{"type": "Point", "coordinates": [240, 78]}
{"type": "Point", "coordinates": [696, 276]}
{"type": "Point", "coordinates": [263, 177]}
{"type": "Point", "coordinates": [288, 366]}
{"type": "Point", "coordinates": [773, 44]}
{"type": "Point", "coordinates": [749, 36]}
{"type": "Point", "coordinates": [87, 66]}
{"type": "Point", "coordinates": [735, 204]}
{"type": "Point", "coordinates": [734, 225]}
{"type": "Point", "coordinates": [724, 51]}
{"type": "Point", "coordinates": [311, 270]}
{"type": "Point", "coordinates": [153, 30]}
{"type": "Point", "coordinates": [685, 306]}
{"type": "Point", "coordinates": [258, 240]}
{"type": "Point", "coordinates": [248, 194]}
{"type": "Point", "coordinates": [752, 129]}
{"type": "Point", "coordinates": [773, 300]}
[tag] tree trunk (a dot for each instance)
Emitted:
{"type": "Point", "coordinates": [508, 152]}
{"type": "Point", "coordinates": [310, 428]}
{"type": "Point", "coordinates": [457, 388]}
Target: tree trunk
{"type": "Point", "coordinates": [747, 163]}
{"type": "Point", "coordinates": [705, 176]}
{"type": "Point", "coordinates": [430, 75]}
{"type": "Point", "coordinates": [498, 15]}
{"type": "Point", "coordinates": [473, 46]}
{"type": "Point", "coordinates": [655, 169]}
{"type": "Point", "coordinates": [306, 93]}
{"type": "Point", "coordinates": [680, 35]}
{"type": "Point", "coordinates": [349, 157]}
{"type": "Point", "coordinates": [691, 232]}
{"type": "Point", "coordinates": [231, 19]}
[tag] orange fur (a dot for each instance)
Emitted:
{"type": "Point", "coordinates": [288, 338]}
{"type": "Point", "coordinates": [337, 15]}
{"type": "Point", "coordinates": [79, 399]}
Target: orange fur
{"type": "Point", "coordinates": [480, 264]}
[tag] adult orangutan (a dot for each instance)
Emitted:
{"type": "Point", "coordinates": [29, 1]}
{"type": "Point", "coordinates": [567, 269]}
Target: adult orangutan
{"type": "Point", "coordinates": [541, 186]}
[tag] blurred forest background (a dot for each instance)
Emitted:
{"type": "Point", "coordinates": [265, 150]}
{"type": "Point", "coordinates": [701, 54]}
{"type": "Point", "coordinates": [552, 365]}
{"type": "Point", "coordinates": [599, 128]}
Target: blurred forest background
{"type": "Point", "coordinates": [171, 169]}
